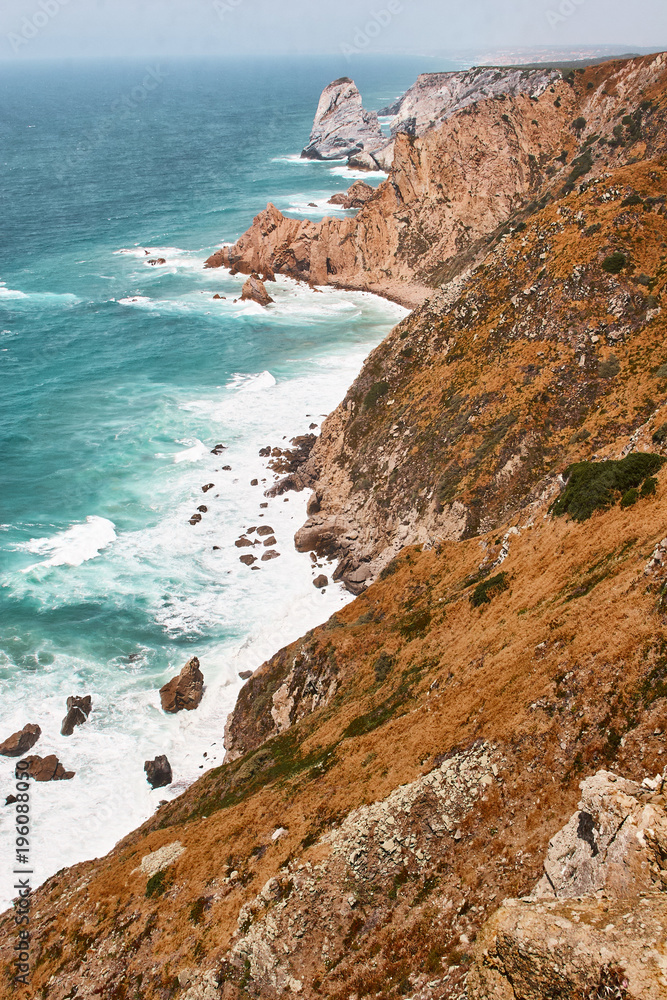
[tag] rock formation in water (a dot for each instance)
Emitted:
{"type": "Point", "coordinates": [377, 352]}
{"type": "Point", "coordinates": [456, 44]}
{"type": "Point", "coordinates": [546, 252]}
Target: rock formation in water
{"type": "Point", "coordinates": [47, 769]}
{"type": "Point", "coordinates": [78, 710]}
{"type": "Point", "coordinates": [356, 196]}
{"type": "Point", "coordinates": [185, 691]}
{"type": "Point", "coordinates": [254, 290]}
{"type": "Point", "coordinates": [158, 772]}
{"type": "Point", "coordinates": [19, 743]}
{"type": "Point", "coordinates": [342, 127]}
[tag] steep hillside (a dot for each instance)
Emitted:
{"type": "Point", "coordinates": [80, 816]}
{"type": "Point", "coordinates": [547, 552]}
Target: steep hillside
{"type": "Point", "coordinates": [360, 849]}
{"type": "Point", "coordinates": [495, 487]}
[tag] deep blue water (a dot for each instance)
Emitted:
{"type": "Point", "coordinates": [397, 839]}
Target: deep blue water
{"type": "Point", "coordinates": [118, 377]}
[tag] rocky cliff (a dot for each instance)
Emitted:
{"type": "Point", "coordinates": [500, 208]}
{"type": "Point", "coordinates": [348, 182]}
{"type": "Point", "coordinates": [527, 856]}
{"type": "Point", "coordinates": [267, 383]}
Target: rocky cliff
{"type": "Point", "coordinates": [495, 487]}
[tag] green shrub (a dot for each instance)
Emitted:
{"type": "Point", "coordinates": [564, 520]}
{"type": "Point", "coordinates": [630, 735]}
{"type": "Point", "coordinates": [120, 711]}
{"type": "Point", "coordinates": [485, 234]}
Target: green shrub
{"type": "Point", "coordinates": [375, 393]}
{"type": "Point", "coordinates": [630, 497]}
{"type": "Point", "coordinates": [595, 486]}
{"type": "Point", "coordinates": [615, 262]}
{"type": "Point", "coordinates": [661, 371]}
{"type": "Point", "coordinates": [579, 124]}
{"type": "Point", "coordinates": [487, 589]}
{"type": "Point", "coordinates": [634, 199]}
{"type": "Point", "coordinates": [660, 436]}
{"type": "Point", "coordinates": [649, 487]}
{"type": "Point", "coordinates": [382, 666]}
{"type": "Point", "coordinates": [157, 884]}
{"type": "Point", "coordinates": [610, 367]}
{"type": "Point", "coordinates": [580, 167]}
{"type": "Point", "coordinates": [197, 910]}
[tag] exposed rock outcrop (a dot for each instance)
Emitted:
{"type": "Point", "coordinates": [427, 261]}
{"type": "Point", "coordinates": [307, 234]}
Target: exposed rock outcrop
{"type": "Point", "coordinates": [78, 710]}
{"type": "Point", "coordinates": [435, 97]}
{"type": "Point", "coordinates": [255, 291]}
{"type": "Point", "coordinates": [185, 691]}
{"type": "Point", "coordinates": [356, 196]}
{"type": "Point", "coordinates": [603, 932]}
{"type": "Point", "coordinates": [47, 769]}
{"type": "Point", "coordinates": [342, 127]}
{"type": "Point", "coordinates": [158, 772]}
{"type": "Point", "coordinates": [19, 743]}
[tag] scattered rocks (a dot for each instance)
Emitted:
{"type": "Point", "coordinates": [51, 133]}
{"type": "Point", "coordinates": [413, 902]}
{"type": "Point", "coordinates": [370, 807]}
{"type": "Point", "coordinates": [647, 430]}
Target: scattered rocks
{"type": "Point", "coordinates": [78, 710]}
{"type": "Point", "coordinates": [47, 769]}
{"type": "Point", "coordinates": [264, 530]}
{"type": "Point", "coordinates": [10, 800]}
{"type": "Point", "coordinates": [19, 743]}
{"type": "Point", "coordinates": [270, 541]}
{"type": "Point", "coordinates": [356, 196]}
{"type": "Point", "coordinates": [243, 543]}
{"type": "Point", "coordinates": [321, 581]}
{"type": "Point", "coordinates": [202, 509]}
{"type": "Point", "coordinates": [245, 674]}
{"type": "Point", "coordinates": [270, 555]}
{"type": "Point", "coordinates": [195, 519]}
{"type": "Point", "coordinates": [209, 486]}
{"type": "Point", "coordinates": [185, 691]}
{"type": "Point", "coordinates": [248, 560]}
{"type": "Point", "coordinates": [265, 452]}
{"type": "Point", "coordinates": [158, 772]}
{"type": "Point", "coordinates": [156, 260]}
{"type": "Point", "coordinates": [216, 296]}
{"type": "Point", "coordinates": [219, 448]}
{"type": "Point", "coordinates": [255, 291]}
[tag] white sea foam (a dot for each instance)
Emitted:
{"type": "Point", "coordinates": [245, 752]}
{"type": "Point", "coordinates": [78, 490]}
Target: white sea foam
{"type": "Point", "coordinates": [135, 300]}
{"type": "Point", "coordinates": [358, 175]}
{"type": "Point", "coordinates": [76, 545]}
{"type": "Point", "coordinates": [194, 453]}
{"type": "Point", "coordinates": [39, 298]}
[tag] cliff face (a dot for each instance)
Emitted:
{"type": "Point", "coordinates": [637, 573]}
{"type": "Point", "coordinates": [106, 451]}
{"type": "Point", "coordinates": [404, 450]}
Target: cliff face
{"type": "Point", "coordinates": [435, 97]}
{"type": "Point", "coordinates": [397, 773]}
{"type": "Point", "coordinates": [471, 407]}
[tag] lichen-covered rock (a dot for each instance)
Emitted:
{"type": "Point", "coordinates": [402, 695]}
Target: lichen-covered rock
{"type": "Point", "coordinates": [342, 127]}
{"type": "Point", "coordinates": [594, 925]}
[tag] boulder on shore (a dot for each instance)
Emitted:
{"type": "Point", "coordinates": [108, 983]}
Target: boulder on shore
{"type": "Point", "coordinates": [158, 772]}
{"type": "Point", "coordinates": [356, 195]}
{"type": "Point", "coordinates": [185, 691]}
{"type": "Point", "coordinates": [78, 710]}
{"type": "Point", "coordinates": [255, 291]}
{"type": "Point", "coordinates": [321, 582]}
{"type": "Point", "coordinates": [342, 126]}
{"type": "Point", "coordinates": [19, 743]}
{"type": "Point", "coordinates": [47, 769]}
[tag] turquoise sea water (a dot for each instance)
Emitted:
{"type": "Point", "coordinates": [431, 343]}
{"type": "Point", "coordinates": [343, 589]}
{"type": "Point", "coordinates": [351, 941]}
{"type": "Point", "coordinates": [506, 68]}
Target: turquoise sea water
{"type": "Point", "coordinates": [118, 378]}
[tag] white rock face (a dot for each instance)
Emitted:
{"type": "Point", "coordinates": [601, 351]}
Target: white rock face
{"type": "Point", "coordinates": [435, 97]}
{"type": "Point", "coordinates": [342, 127]}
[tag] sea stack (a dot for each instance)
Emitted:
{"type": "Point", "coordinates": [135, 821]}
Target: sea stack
{"type": "Point", "coordinates": [255, 291]}
{"type": "Point", "coordinates": [342, 126]}
{"type": "Point", "coordinates": [185, 691]}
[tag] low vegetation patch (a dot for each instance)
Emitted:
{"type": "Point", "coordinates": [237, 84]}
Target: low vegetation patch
{"type": "Point", "coordinates": [615, 262]}
{"type": "Point", "coordinates": [488, 589]}
{"type": "Point", "coordinates": [595, 486]}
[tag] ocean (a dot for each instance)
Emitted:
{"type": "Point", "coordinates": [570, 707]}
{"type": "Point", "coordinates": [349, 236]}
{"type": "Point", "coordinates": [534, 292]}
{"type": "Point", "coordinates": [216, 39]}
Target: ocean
{"type": "Point", "coordinates": [119, 377]}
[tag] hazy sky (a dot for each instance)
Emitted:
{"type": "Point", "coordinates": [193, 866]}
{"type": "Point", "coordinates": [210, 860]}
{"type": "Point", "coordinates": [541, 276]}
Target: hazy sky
{"type": "Point", "coordinates": [54, 28]}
